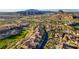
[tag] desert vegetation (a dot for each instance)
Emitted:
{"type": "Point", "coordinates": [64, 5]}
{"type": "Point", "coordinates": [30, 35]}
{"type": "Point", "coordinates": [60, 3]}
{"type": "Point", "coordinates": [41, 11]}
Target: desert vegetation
{"type": "Point", "coordinates": [51, 30]}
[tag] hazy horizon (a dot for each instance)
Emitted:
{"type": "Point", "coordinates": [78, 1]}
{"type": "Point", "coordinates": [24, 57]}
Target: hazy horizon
{"type": "Point", "coordinates": [15, 10]}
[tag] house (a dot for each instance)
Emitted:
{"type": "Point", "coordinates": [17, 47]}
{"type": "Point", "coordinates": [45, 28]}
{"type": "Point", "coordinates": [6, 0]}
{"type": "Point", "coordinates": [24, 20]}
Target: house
{"type": "Point", "coordinates": [11, 29]}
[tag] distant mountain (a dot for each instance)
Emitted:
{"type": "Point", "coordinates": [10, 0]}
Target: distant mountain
{"type": "Point", "coordinates": [19, 14]}
{"type": "Point", "coordinates": [32, 12]}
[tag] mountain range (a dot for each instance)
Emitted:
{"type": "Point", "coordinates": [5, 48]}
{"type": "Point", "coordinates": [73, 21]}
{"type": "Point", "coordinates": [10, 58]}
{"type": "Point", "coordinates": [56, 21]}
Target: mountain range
{"type": "Point", "coordinates": [34, 12]}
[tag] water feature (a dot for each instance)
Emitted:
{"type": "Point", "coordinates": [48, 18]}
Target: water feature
{"type": "Point", "coordinates": [43, 40]}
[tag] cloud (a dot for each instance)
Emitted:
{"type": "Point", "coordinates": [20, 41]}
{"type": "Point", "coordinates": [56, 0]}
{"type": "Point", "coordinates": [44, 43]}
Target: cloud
{"type": "Point", "coordinates": [38, 4]}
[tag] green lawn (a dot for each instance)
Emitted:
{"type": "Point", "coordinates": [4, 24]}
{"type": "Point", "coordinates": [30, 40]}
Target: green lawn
{"type": "Point", "coordinates": [76, 27]}
{"type": "Point", "coordinates": [13, 39]}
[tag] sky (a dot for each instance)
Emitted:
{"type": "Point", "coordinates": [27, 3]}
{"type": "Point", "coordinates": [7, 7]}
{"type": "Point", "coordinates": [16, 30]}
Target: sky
{"type": "Point", "coordinates": [11, 10]}
{"type": "Point", "coordinates": [18, 5]}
